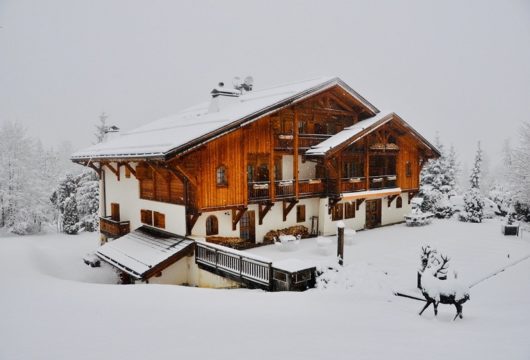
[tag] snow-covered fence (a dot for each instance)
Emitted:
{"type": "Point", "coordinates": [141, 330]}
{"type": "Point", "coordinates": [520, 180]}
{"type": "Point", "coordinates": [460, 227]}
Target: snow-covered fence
{"type": "Point", "coordinates": [234, 263]}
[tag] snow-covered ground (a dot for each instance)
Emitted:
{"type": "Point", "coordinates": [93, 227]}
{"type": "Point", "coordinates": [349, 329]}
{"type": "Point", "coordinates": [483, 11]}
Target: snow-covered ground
{"type": "Point", "coordinates": [52, 306]}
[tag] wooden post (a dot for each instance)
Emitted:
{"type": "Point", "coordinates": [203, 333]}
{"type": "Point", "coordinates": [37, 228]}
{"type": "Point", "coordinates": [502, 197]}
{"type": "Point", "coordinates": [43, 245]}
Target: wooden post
{"type": "Point", "coordinates": [340, 242]}
{"type": "Point", "coordinates": [295, 153]}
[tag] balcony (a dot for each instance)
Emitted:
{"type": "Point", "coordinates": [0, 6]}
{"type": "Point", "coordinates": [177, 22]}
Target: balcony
{"type": "Point", "coordinates": [284, 189]}
{"type": "Point", "coordinates": [305, 141]}
{"type": "Point", "coordinates": [112, 228]}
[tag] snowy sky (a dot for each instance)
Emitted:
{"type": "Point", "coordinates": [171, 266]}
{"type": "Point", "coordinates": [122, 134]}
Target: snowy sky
{"type": "Point", "coordinates": [462, 69]}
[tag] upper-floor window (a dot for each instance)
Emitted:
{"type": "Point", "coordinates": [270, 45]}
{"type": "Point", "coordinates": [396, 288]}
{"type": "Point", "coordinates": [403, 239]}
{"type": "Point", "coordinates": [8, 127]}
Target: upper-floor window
{"type": "Point", "coordinates": [221, 176]}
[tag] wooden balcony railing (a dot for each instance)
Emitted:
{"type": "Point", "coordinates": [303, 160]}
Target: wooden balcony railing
{"type": "Point", "coordinates": [309, 187]}
{"type": "Point", "coordinates": [259, 190]}
{"type": "Point", "coordinates": [305, 141]}
{"type": "Point", "coordinates": [383, 182]}
{"type": "Point", "coordinates": [352, 184]}
{"type": "Point", "coordinates": [284, 188]}
{"type": "Point", "coordinates": [112, 228]}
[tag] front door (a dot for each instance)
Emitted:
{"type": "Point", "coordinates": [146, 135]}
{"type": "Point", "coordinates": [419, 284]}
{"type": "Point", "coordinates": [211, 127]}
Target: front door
{"type": "Point", "coordinates": [247, 226]}
{"type": "Point", "coordinates": [373, 213]}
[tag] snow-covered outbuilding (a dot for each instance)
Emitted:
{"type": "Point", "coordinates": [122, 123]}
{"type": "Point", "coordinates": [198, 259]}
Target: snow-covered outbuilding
{"type": "Point", "coordinates": [248, 161]}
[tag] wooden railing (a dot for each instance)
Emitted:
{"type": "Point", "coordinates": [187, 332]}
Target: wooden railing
{"type": "Point", "coordinates": [383, 182]}
{"type": "Point", "coordinates": [284, 188]}
{"type": "Point", "coordinates": [112, 228]}
{"type": "Point", "coordinates": [258, 190]}
{"type": "Point", "coordinates": [240, 267]}
{"type": "Point", "coordinates": [305, 141]}
{"type": "Point", "coordinates": [352, 184]}
{"type": "Point", "coordinates": [308, 187]}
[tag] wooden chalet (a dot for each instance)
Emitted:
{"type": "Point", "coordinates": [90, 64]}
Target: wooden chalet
{"type": "Point", "coordinates": [247, 162]}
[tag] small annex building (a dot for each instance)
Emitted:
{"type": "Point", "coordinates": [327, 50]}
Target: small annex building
{"type": "Point", "coordinates": [247, 162]}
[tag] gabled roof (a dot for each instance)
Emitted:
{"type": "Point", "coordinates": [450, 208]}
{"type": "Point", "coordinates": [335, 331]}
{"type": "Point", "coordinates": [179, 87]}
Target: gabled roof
{"type": "Point", "coordinates": [359, 130]}
{"type": "Point", "coordinates": [145, 251]}
{"type": "Point", "coordinates": [189, 128]}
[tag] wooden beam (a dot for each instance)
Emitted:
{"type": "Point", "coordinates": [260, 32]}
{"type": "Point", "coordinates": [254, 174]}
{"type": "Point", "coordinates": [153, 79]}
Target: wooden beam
{"type": "Point", "coordinates": [295, 154]}
{"type": "Point", "coordinates": [391, 198]}
{"type": "Point", "coordinates": [188, 176]}
{"type": "Point", "coordinates": [115, 171]}
{"type": "Point", "coordinates": [411, 194]}
{"type": "Point", "coordinates": [272, 173]}
{"type": "Point", "coordinates": [129, 167]}
{"type": "Point", "coordinates": [155, 168]}
{"type": "Point", "coordinates": [237, 214]}
{"type": "Point", "coordinates": [94, 167]}
{"type": "Point", "coordinates": [191, 219]}
{"type": "Point", "coordinates": [287, 209]}
{"type": "Point", "coordinates": [358, 203]}
{"type": "Point", "coordinates": [263, 210]}
{"type": "Point", "coordinates": [332, 201]}
{"type": "Point", "coordinates": [366, 164]}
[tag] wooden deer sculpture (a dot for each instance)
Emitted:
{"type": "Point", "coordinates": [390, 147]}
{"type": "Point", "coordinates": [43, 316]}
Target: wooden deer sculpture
{"type": "Point", "coordinates": [437, 291]}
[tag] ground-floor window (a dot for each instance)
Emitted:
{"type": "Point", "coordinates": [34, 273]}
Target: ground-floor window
{"type": "Point", "coordinates": [146, 217]}
{"type": "Point", "coordinates": [159, 220]}
{"type": "Point", "coordinates": [212, 225]}
{"type": "Point", "coordinates": [349, 210]}
{"type": "Point", "coordinates": [337, 212]}
{"type": "Point", "coordinates": [300, 213]}
{"type": "Point", "coordinates": [399, 202]}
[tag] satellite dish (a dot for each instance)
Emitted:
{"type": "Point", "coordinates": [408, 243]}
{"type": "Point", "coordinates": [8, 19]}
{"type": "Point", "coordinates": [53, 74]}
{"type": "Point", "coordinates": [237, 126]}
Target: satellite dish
{"type": "Point", "coordinates": [237, 83]}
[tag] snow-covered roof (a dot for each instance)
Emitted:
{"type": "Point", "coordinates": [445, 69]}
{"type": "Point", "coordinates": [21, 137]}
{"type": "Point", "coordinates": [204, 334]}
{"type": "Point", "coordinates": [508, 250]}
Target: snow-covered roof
{"type": "Point", "coordinates": [195, 125]}
{"type": "Point", "coordinates": [292, 265]}
{"type": "Point", "coordinates": [143, 250]}
{"type": "Point", "coordinates": [349, 133]}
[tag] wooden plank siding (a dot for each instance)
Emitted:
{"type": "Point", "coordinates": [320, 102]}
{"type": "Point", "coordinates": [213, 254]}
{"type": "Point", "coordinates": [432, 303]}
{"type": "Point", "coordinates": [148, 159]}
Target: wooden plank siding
{"type": "Point", "coordinates": [262, 143]}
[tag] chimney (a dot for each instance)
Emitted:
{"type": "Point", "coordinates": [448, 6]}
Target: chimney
{"type": "Point", "coordinates": [222, 97]}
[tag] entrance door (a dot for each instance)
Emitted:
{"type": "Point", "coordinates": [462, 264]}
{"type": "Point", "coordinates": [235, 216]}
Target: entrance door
{"type": "Point", "coordinates": [373, 213]}
{"type": "Point", "coordinates": [247, 226]}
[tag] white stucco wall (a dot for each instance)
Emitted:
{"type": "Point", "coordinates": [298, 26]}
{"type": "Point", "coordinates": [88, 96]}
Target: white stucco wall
{"type": "Point", "coordinates": [126, 192]}
{"type": "Point", "coordinates": [329, 227]}
{"type": "Point", "coordinates": [392, 215]}
{"type": "Point", "coordinates": [306, 170]}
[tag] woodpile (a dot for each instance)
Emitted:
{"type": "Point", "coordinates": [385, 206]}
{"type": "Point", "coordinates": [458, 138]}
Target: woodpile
{"type": "Point", "coordinates": [293, 230]}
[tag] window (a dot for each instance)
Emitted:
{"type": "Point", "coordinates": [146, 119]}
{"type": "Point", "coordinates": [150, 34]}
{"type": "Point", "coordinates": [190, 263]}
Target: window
{"type": "Point", "coordinates": [300, 213]}
{"type": "Point", "coordinates": [212, 226]}
{"type": "Point", "coordinates": [399, 202]}
{"type": "Point", "coordinates": [408, 169]}
{"type": "Point", "coordinates": [337, 212]}
{"type": "Point", "coordinates": [302, 127]}
{"type": "Point", "coordinates": [349, 210]}
{"type": "Point", "coordinates": [159, 220]}
{"type": "Point", "coordinates": [146, 217]}
{"type": "Point", "coordinates": [221, 177]}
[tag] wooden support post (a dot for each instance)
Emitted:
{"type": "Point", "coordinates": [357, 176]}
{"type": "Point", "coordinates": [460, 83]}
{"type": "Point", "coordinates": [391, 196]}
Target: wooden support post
{"type": "Point", "coordinates": [93, 166]}
{"type": "Point", "coordinates": [129, 167]}
{"type": "Point", "coordinates": [358, 203]}
{"type": "Point", "coordinates": [287, 209]}
{"type": "Point", "coordinates": [390, 199]}
{"type": "Point", "coordinates": [411, 194]}
{"type": "Point", "coordinates": [237, 214]}
{"type": "Point", "coordinates": [340, 242]}
{"type": "Point", "coordinates": [263, 210]}
{"type": "Point", "coordinates": [115, 171]}
{"type": "Point", "coordinates": [295, 154]}
{"type": "Point", "coordinates": [191, 219]}
{"type": "Point", "coordinates": [272, 173]}
{"type": "Point", "coordinates": [366, 164]}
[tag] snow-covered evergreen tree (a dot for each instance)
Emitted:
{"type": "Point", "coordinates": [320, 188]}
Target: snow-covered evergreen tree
{"type": "Point", "coordinates": [473, 200]}
{"type": "Point", "coordinates": [438, 182]}
{"type": "Point", "coordinates": [71, 216]}
{"type": "Point", "coordinates": [87, 198]}
{"type": "Point", "coordinates": [520, 170]}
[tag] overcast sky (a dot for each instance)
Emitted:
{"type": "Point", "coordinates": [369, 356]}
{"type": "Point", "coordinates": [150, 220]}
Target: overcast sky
{"type": "Point", "coordinates": [461, 68]}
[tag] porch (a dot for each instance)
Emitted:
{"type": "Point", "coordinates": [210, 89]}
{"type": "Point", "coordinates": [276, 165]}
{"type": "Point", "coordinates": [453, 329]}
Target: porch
{"type": "Point", "coordinates": [113, 228]}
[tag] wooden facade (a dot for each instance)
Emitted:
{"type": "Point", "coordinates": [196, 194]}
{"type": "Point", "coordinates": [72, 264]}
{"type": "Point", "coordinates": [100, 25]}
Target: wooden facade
{"type": "Point", "coordinates": [264, 161]}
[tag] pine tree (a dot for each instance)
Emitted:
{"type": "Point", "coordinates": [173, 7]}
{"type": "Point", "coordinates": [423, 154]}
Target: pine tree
{"type": "Point", "coordinates": [71, 217]}
{"type": "Point", "coordinates": [473, 200]}
{"type": "Point", "coordinates": [87, 197]}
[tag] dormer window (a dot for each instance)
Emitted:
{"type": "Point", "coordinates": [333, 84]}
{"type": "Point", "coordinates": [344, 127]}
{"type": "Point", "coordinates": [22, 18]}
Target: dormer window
{"type": "Point", "coordinates": [221, 177]}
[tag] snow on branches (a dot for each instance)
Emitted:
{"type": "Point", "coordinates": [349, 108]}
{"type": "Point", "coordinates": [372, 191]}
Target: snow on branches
{"type": "Point", "coordinates": [473, 199]}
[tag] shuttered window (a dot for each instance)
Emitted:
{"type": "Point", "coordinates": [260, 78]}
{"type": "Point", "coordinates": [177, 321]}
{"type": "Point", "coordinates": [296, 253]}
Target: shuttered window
{"type": "Point", "coordinates": [159, 220]}
{"type": "Point", "coordinates": [349, 210]}
{"type": "Point", "coordinates": [146, 216]}
{"type": "Point", "coordinates": [300, 213]}
{"type": "Point", "coordinates": [337, 212]}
